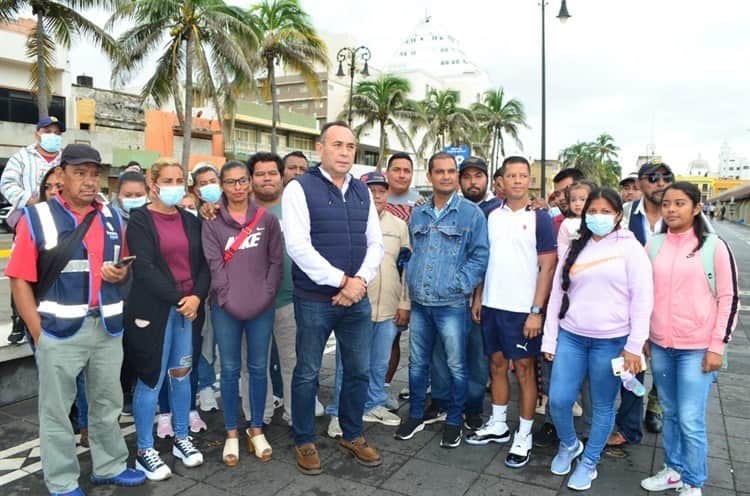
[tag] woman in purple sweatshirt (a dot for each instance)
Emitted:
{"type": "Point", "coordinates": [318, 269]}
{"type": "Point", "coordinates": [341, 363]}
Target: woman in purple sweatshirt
{"type": "Point", "coordinates": [245, 275]}
{"type": "Point", "coordinates": [599, 309]}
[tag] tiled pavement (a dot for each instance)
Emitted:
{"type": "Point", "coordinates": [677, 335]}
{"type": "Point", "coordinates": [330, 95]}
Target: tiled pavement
{"type": "Point", "coordinates": [417, 467]}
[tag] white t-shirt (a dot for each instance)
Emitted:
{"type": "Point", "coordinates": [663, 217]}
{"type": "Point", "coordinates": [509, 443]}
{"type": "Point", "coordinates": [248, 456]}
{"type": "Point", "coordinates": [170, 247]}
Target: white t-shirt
{"type": "Point", "coordinates": [516, 241]}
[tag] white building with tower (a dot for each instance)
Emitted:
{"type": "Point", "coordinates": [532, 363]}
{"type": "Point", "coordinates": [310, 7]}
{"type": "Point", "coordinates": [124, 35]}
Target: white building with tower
{"type": "Point", "coordinates": [733, 165]}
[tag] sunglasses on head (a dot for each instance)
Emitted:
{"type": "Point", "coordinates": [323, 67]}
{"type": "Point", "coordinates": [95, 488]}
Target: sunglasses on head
{"type": "Point", "coordinates": [655, 176]}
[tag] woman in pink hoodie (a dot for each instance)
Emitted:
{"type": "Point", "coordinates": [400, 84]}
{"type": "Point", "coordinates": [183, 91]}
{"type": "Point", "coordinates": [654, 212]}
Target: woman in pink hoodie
{"type": "Point", "coordinates": [691, 323]}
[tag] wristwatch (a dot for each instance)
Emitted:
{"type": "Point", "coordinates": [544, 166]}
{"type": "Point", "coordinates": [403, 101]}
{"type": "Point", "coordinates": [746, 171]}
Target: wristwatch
{"type": "Point", "coordinates": [535, 310]}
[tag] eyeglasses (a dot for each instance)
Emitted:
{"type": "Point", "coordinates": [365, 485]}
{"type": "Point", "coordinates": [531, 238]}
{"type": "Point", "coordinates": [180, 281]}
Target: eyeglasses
{"type": "Point", "coordinates": [233, 182]}
{"type": "Point", "coordinates": [655, 176]}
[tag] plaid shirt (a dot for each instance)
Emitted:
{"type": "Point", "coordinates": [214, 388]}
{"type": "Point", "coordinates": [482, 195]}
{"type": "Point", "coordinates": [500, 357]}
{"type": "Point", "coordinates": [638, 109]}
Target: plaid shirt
{"type": "Point", "coordinates": [23, 174]}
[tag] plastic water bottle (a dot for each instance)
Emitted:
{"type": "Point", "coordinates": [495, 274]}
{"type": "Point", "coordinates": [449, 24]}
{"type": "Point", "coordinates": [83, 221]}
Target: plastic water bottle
{"type": "Point", "coordinates": [632, 384]}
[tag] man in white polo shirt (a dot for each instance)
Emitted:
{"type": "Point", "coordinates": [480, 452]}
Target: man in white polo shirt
{"type": "Point", "coordinates": [516, 287]}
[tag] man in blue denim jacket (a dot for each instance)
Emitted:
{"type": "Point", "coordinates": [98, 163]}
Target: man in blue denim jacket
{"type": "Point", "coordinates": [449, 238]}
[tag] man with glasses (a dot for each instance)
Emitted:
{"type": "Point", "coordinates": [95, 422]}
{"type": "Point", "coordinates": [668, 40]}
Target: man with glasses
{"type": "Point", "coordinates": [643, 218]}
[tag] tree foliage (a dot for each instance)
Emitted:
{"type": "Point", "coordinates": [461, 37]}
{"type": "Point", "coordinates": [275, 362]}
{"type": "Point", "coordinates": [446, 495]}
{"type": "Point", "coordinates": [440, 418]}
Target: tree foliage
{"type": "Point", "coordinates": [597, 159]}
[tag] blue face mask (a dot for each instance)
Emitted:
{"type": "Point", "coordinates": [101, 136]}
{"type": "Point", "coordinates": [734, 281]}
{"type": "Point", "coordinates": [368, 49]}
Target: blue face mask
{"type": "Point", "coordinates": [210, 192]}
{"type": "Point", "coordinates": [600, 224]}
{"type": "Point", "coordinates": [50, 142]}
{"type": "Point", "coordinates": [129, 204]}
{"type": "Point", "coordinates": [171, 195]}
{"type": "Point", "coordinates": [554, 212]}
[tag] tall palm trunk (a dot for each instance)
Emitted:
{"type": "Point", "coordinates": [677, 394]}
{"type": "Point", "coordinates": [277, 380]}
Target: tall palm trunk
{"type": "Point", "coordinates": [42, 97]}
{"type": "Point", "coordinates": [179, 109]}
{"type": "Point", "coordinates": [381, 150]}
{"type": "Point", "coordinates": [493, 153]}
{"type": "Point", "coordinates": [187, 128]}
{"type": "Point", "coordinates": [274, 103]}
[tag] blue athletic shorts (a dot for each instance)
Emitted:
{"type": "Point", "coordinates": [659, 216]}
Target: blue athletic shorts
{"type": "Point", "coordinates": [503, 331]}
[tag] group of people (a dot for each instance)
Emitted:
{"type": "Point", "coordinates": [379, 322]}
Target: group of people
{"type": "Point", "coordinates": [570, 297]}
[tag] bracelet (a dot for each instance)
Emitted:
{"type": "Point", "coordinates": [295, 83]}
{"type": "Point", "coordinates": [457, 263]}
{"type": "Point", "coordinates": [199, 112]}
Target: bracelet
{"type": "Point", "coordinates": [346, 280]}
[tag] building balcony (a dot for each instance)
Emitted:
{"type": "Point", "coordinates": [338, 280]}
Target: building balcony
{"type": "Point", "coordinates": [242, 150]}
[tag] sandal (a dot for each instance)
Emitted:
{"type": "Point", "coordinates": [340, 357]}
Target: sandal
{"type": "Point", "coordinates": [231, 454]}
{"type": "Point", "coordinates": [259, 445]}
{"type": "Point", "coordinates": [616, 440]}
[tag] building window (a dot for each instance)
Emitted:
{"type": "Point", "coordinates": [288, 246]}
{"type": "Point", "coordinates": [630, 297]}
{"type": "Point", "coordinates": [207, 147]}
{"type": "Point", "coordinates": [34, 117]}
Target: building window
{"type": "Point", "coordinates": [303, 89]}
{"type": "Point", "coordinates": [20, 106]}
{"type": "Point", "coordinates": [298, 142]}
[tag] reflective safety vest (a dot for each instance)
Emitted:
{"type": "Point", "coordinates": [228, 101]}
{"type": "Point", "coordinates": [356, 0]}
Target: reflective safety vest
{"type": "Point", "coordinates": [64, 307]}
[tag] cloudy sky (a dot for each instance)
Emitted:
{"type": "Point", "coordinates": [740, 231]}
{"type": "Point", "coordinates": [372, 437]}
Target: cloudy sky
{"type": "Point", "coordinates": [672, 73]}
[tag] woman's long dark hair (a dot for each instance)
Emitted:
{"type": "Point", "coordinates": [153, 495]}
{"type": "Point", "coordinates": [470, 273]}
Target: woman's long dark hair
{"type": "Point", "coordinates": [613, 198]}
{"type": "Point", "coordinates": [699, 223]}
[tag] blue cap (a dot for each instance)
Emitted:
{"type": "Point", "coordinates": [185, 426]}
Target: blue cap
{"type": "Point", "coordinates": [49, 121]}
{"type": "Point", "coordinates": [374, 177]}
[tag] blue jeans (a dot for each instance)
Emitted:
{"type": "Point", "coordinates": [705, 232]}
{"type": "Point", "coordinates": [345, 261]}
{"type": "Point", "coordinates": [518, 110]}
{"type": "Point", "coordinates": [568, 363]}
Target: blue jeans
{"type": "Point", "coordinates": [630, 414]}
{"type": "Point", "coordinates": [440, 376]}
{"type": "Point", "coordinates": [578, 357]}
{"type": "Point", "coordinates": [82, 406]}
{"type": "Point", "coordinates": [683, 392]}
{"type": "Point", "coordinates": [206, 373]}
{"type": "Point", "coordinates": [479, 370]}
{"type": "Point", "coordinates": [197, 345]}
{"type": "Point", "coordinates": [228, 333]}
{"type": "Point", "coordinates": [449, 325]}
{"type": "Point", "coordinates": [382, 335]}
{"type": "Point", "coordinates": [352, 326]}
{"type": "Point", "coordinates": [177, 354]}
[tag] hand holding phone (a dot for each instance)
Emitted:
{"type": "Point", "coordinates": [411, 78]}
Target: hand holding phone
{"type": "Point", "coordinates": [125, 262]}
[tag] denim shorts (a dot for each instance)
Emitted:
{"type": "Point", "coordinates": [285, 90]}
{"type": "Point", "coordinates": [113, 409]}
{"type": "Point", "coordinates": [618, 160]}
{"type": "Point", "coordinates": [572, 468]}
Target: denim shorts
{"type": "Point", "coordinates": [502, 331]}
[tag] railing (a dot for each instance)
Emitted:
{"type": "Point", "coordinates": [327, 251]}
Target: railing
{"type": "Point", "coordinates": [251, 148]}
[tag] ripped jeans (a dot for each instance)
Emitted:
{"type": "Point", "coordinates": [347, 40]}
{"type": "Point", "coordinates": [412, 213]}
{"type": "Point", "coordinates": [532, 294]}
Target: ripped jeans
{"type": "Point", "coordinates": [177, 354]}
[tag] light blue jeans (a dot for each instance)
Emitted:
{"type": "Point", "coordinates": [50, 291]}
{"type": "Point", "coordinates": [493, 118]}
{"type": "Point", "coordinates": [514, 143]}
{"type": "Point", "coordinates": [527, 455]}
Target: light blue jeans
{"type": "Point", "coordinates": [578, 357]}
{"type": "Point", "coordinates": [683, 393]}
{"type": "Point", "coordinates": [177, 354]}
{"type": "Point", "coordinates": [382, 335]}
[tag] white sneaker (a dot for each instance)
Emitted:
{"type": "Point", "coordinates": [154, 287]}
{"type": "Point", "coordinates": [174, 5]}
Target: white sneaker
{"type": "Point", "coordinates": [164, 426]}
{"type": "Point", "coordinates": [151, 464]}
{"type": "Point", "coordinates": [520, 452]}
{"type": "Point", "coordinates": [185, 450]}
{"type": "Point", "coordinates": [286, 418]}
{"type": "Point", "coordinates": [688, 490]}
{"type": "Point", "coordinates": [577, 410]}
{"type": "Point", "coordinates": [319, 408]}
{"type": "Point", "coordinates": [382, 415]}
{"type": "Point", "coordinates": [207, 399]}
{"type": "Point", "coordinates": [196, 422]}
{"type": "Point", "coordinates": [541, 405]}
{"type": "Point", "coordinates": [667, 478]}
{"type": "Point", "coordinates": [277, 402]}
{"type": "Point", "coordinates": [334, 428]}
{"type": "Point", "coordinates": [491, 432]}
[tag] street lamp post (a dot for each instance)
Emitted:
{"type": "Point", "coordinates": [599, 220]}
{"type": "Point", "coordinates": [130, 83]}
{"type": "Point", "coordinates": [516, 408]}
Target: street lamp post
{"type": "Point", "coordinates": [563, 16]}
{"type": "Point", "coordinates": [350, 55]}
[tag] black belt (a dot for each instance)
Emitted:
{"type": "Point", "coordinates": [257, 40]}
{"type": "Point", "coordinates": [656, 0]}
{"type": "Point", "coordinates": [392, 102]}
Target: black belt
{"type": "Point", "coordinates": [93, 312]}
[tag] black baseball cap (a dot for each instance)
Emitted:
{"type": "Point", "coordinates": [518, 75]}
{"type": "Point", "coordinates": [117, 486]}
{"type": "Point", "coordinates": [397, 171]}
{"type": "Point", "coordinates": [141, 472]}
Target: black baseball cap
{"type": "Point", "coordinates": [650, 167]}
{"type": "Point", "coordinates": [50, 121]}
{"type": "Point", "coordinates": [80, 153]}
{"type": "Point", "coordinates": [475, 162]}
{"type": "Point", "coordinates": [374, 177]}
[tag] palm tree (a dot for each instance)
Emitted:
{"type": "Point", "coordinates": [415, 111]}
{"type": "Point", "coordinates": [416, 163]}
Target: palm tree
{"type": "Point", "coordinates": [382, 104]}
{"type": "Point", "coordinates": [443, 120]}
{"type": "Point", "coordinates": [605, 147]}
{"type": "Point", "coordinates": [500, 115]}
{"type": "Point", "coordinates": [56, 24]}
{"type": "Point", "coordinates": [286, 35]}
{"type": "Point", "coordinates": [198, 38]}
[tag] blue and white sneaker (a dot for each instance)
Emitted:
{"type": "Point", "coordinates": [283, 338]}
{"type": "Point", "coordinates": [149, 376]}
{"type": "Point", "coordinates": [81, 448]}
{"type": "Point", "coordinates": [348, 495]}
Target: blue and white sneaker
{"type": "Point", "coordinates": [185, 450]}
{"type": "Point", "coordinates": [564, 459]}
{"type": "Point", "coordinates": [584, 473]}
{"type": "Point", "coordinates": [150, 463]}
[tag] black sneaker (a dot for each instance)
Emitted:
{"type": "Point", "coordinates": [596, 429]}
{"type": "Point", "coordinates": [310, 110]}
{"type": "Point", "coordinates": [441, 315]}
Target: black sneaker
{"type": "Point", "coordinates": [520, 452]}
{"type": "Point", "coordinates": [409, 428]}
{"type": "Point", "coordinates": [434, 414]}
{"type": "Point", "coordinates": [473, 421]}
{"type": "Point", "coordinates": [451, 436]}
{"type": "Point", "coordinates": [546, 437]}
{"type": "Point", "coordinates": [16, 336]}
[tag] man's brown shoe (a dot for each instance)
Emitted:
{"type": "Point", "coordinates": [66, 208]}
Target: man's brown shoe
{"type": "Point", "coordinates": [364, 453]}
{"type": "Point", "coordinates": [308, 460]}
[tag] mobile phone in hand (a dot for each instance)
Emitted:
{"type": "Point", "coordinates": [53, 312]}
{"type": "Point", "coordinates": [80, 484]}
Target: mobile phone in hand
{"type": "Point", "coordinates": [125, 261]}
